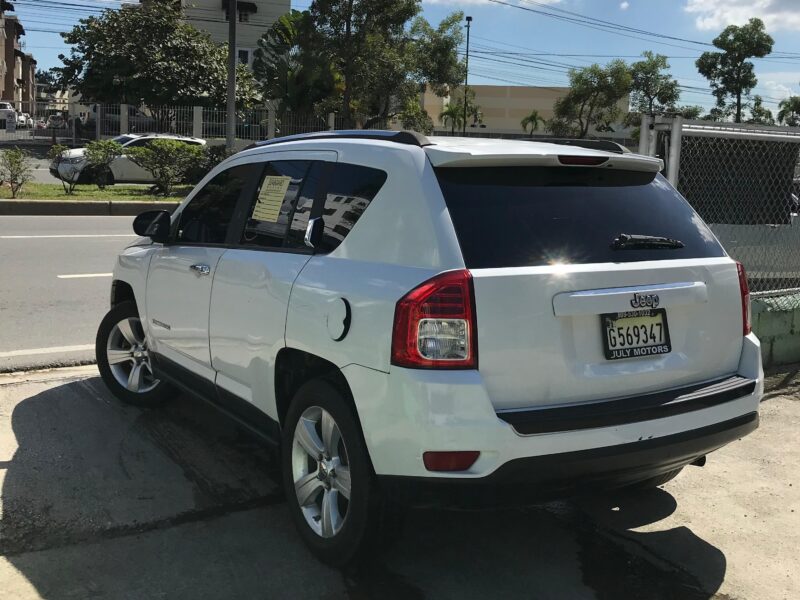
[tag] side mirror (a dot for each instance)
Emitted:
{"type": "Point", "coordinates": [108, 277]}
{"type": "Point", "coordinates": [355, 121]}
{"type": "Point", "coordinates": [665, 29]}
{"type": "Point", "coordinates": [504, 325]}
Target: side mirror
{"type": "Point", "coordinates": [314, 232]}
{"type": "Point", "coordinates": [154, 224]}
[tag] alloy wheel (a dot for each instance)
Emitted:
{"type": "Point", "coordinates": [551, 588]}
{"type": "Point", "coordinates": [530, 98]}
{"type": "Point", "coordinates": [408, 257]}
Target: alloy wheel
{"type": "Point", "coordinates": [128, 357]}
{"type": "Point", "coordinates": [321, 472]}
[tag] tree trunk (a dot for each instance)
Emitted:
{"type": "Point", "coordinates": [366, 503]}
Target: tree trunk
{"type": "Point", "coordinates": [347, 93]}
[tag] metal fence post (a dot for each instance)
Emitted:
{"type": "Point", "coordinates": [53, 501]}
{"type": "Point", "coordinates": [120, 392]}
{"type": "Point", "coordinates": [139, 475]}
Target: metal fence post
{"type": "Point", "coordinates": [123, 119]}
{"type": "Point", "coordinates": [271, 121]}
{"type": "Point", "coordinates": [652, 142]}
{"type": "Point", "coordinates": [644, 133]}
{"type": "Point", "coordinates": [331, 121]}
{"type": "Point", "coordinates": [674, 160]}
{"type": "Point", "coordinates": [98, 117]}
{"type": "Point", "coordinates": [197, 121]}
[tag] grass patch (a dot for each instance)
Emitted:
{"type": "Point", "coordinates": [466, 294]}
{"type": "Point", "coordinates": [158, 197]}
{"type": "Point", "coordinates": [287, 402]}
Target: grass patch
{"type": "Point", "coordinates": [54, 191]}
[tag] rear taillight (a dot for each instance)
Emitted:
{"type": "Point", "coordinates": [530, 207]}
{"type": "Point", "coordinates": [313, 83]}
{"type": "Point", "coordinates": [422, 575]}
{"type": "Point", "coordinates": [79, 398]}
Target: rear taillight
{"type": "Point", "coordinates": [745, 291]}
{"type": "Point", "coordinates": [435, 325]}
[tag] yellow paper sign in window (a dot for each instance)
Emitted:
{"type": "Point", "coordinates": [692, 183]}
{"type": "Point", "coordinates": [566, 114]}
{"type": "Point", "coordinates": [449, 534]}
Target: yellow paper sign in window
{"type": "Point", "coordinates": [270, 199]}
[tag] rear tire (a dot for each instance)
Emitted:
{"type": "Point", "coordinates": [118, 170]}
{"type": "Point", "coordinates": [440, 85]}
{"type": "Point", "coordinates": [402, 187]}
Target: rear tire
{"type": "Point", "coordinates": [124, 359]}
{"type": "Point", "coordinates": [340, 518]}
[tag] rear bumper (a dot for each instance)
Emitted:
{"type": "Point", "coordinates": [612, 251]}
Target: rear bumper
{"type": "Point", "coordinates": [408, 412]}
{"type": "Point", "coordinates": [534, 478]}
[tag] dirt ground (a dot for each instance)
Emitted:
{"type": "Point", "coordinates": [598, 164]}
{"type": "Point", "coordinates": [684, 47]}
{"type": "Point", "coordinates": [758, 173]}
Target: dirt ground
{"type": "Point", "coordinates": [103, 500]}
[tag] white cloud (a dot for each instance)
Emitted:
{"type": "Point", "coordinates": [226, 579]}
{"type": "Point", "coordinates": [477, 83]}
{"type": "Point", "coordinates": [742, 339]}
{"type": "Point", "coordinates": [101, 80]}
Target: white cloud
{"type": "Point", "coordinates": [624, 5]}
{"type": "Point", "coordinates": [715, 15]}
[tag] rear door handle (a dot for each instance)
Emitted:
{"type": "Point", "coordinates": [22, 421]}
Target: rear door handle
{"type": "Point", "coordinates": [201, 269]}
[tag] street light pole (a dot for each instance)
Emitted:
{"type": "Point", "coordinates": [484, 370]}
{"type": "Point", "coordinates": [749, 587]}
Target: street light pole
{"type": "Point", "coordinates": [230, 120]}
{"type": "Point", "coordinates": [466, 81]}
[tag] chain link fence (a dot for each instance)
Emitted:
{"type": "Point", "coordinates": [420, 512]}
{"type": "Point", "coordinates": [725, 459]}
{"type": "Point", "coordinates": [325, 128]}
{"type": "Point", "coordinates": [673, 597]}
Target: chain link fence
{"type": "Point", "coordinates": [743, 181]}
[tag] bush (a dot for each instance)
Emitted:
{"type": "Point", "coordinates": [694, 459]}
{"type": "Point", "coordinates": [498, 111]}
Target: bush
{"type": "Point", "coordinates": [56, 154]}
{"type": "Point", "coordinates": [211, 157]}
{"type": "Point", "coordinates": [168, 161]}
{"type": "Point", "coordinates": [16, 169]}
{"type": "Point", "coordinates": [99, 156]}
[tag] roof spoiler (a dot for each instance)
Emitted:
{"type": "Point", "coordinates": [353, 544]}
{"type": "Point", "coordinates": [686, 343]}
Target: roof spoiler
{"type": "Point", "coordinates": [603, 145]}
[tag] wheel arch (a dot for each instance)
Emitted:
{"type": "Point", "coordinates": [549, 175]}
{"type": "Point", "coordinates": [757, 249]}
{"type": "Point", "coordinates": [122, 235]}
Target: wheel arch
{"type": "Point", "coordinates": [121, 291]}
{"type": "Point", "coordinates": [295, 367]}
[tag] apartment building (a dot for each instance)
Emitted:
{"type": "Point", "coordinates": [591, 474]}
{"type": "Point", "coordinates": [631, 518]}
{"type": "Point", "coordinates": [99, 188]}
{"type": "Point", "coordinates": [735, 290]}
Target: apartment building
{"type": "Point", "coordinates": [12, 55]}
{"type": "Point", "coordinates": [254, 18]}
{"type": "Point", "coordinates": [28, 82]}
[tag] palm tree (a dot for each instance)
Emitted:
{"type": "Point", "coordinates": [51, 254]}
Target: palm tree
{"type": "Point", "coordinates": [453, 115]}
{"type": "Point", "coordinates": [789, 113]}
{"type": "Point", "coordinates": [532, 121]}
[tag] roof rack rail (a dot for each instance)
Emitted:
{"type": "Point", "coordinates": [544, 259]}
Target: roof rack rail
{"type": "Point", "coordinates": [603, 145]}
{"type": "Point", "coordinates": [411, 138]}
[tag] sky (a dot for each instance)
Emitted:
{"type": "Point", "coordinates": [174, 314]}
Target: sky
{"type": "Point", "coordinates": [534, 42]}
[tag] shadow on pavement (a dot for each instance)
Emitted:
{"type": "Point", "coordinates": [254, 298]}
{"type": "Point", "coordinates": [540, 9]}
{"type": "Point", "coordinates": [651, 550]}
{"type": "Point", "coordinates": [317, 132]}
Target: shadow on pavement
{"type": "Point", "coordinates": [106, 500]}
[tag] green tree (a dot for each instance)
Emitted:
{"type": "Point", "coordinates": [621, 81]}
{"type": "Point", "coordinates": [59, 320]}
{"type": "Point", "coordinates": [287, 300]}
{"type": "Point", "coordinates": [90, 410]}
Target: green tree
{"type": "Point", "coordinates": [789, 111]}
{"type": "Point", "coordinates": [531, 120]}
{"type": "Point", "coordinates": [357, 34]}
{"type": "Point", "coordinates": [653, 90]}
{"type": "Point", "coordinates": [453, 115]}
{"type": "Point", "coordinates": [592, 101]}
{"type": "Point", "coordinates": [690, 112]}
{"type": "Point", "coordinates": [297, 80]}
{"type": "Point", "coordinates": [16, 169]}
{"type": "Point", "coordinates": [145, 54]}
{"type": "Point", "coordinates": [385, 56]}
{"type": "Point", "coordinates": [759, 114]}
{"type": "Point", "coordinates": [729, 71]}
{"type": "Point", "coordinates": [100, 154]}
{"type": "Point", "coordinates": [48, 79]}
{"type": "Point", "coordinates": [168, 161]}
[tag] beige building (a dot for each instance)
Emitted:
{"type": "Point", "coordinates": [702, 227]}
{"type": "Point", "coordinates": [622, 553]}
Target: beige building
{"type": "Point", "coordinates": [504, 106]}
{"type": "Point", "coordinates": [254, 18]}
{"type": "Point", "coordinates": [12, 81]}
{"type": "Point", "coordinates": [28, 83]}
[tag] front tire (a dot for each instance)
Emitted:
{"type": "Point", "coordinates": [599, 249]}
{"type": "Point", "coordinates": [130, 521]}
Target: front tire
{"type": "Point", "coordinates": [123, 358]}
{"type": "Point", "coordinates": [330, 488]}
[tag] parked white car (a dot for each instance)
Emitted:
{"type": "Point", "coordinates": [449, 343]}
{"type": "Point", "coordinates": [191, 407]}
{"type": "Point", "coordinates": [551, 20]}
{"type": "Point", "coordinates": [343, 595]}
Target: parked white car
{"type": "Point", "coordinates": [24, 120]}
{"type": "Point", "coordinates": [6, 109]}
{"type": "Point", "coordinates": [123, 170]}
{"type": "Point", "coordinates": [416, 320]}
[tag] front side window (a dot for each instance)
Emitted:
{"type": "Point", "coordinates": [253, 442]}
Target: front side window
{"type": "Point", "coordinates": [351, 189]}
{"type": "Point", "coordinates": [206, 218]}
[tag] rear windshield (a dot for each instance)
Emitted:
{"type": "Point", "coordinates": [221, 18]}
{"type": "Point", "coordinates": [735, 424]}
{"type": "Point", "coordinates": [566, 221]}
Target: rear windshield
{"type": "Point", "coordinates": [530, 216]}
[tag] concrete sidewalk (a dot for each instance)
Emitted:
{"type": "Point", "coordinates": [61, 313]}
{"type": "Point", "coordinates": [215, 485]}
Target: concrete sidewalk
{"type": "Point", "coordinates": [104, 500]}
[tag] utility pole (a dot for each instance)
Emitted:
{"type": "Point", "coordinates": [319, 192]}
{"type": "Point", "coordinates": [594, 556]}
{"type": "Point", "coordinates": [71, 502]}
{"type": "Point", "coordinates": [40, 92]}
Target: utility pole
{"type": "Point", "coordinates": [230, 128]}
{"type": "Point", "coordinates": [466, 82]}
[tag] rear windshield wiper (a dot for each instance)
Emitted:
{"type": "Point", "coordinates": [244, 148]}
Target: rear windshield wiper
{"type": "Point", "coordinates": [625, 241]}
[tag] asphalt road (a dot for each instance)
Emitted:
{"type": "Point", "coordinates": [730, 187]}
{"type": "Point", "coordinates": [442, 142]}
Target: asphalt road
{"type": "Point", "coordinates": [41, 171]}
{"type": "Point", "coordinates": [102, 500]}
{"type": "Point", "coordinates": [45, 318]}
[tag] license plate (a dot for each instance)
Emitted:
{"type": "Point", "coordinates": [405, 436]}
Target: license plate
{"type": "Point", "coordinates": [635, 333]}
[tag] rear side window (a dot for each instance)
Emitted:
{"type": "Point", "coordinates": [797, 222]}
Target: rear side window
{"type": "Point", "coordinates": [278, 208]}
{"type": "Point", "coordinates": [531, 216]}
{"type": "Point", "coordinates": [350, 190]}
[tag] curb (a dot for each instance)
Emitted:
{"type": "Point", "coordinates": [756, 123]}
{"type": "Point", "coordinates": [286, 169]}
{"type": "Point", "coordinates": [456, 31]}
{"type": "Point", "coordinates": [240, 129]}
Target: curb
{"type": "Point", "coordinates": [87, 207]}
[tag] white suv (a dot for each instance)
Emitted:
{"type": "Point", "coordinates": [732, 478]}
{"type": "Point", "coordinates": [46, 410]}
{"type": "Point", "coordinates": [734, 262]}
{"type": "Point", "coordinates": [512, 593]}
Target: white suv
{"type": "Point", "coordinates": [419, 320]}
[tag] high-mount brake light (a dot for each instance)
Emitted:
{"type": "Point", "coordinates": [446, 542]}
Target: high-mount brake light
{"type": "Point", "coordinates": [435, 325]}
{"type": "Point", "coordinates": [586, 161]}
